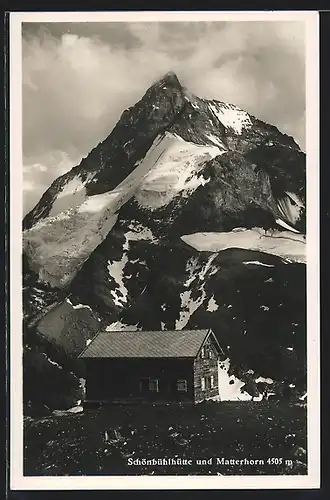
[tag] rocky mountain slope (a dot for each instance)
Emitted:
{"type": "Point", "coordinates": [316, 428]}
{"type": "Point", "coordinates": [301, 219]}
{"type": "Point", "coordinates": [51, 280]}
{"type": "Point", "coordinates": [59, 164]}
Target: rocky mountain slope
{"type": "Point", "coordinates": [190, 213]}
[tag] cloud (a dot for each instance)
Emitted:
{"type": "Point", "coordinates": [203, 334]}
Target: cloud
{"type": "Point", "coordinates": [79, 77]}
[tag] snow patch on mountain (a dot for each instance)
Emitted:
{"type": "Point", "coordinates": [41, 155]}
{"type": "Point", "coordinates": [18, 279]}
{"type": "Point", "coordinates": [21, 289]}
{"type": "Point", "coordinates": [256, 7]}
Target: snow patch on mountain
{"type": "Point", "coordinates": [231, 116]}
{"type": "Point", "coordinates": [188, 307]}
{"type": "Point", "coordinates": [57, 247]}
{"type": "Point", "coordinates": [216, 141]}
{"type": "Point", "coordinates": [208, 268]}
{"type": "Point", "coordinates": [290, 207]}
{"type": "Point", "coordinates": [257, 263]}
{"type": "Point", "coordinates": [295, 199]}
{"type": "Point", "coordinates": [54, 363]}
{"type": "Point", "coordinates": [286, 226]}
{"type": "Point", "coordinates": [119, 326]}
{"type": "Point", "coordinates": [264, 380]}
{"type": "Point", "coordinates": [280, 243]}
{"type": "Point", "coordinates": [191, 267]}
{"type": "Point", "coordinates": [138, 232]}
{"type": "Point", "coordinates": [190, 304]}
{"type": "Point", "coordinates": [71, 195]}
{"type": "Point", "coordinates": [116, 272]}
{"type": "Point", "coordinates": [230, 387]}
{"type": "Point", "coordinates": [174, 167]}
{"type": "Point", "coordinates": [78, 306]}
{"type": "Point", "coordinates": [212, 305]}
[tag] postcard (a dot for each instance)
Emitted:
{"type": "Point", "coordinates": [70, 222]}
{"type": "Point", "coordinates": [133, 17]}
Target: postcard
{"type": "Point", "coordinates": [164, 250]}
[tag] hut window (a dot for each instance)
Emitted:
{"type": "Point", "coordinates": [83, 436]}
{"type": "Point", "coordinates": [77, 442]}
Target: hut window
{"type": "Point", "coordinates": [210, 354]}
{"type": "Point", "coordinates": [203, 352]}
{"type": "Point", "coordinates": [182, 386]}
{"type": "Point", "coordinates": [203, 384]}
{"type": "Point", "coordinates": [153, 385]}
{"type": "Point", "coordinates": [209, 382]}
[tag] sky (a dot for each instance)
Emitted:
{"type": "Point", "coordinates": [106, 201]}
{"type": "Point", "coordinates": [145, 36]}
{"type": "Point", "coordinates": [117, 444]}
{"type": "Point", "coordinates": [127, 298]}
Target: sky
{"type": "Point", "coordinates": [79, 77]}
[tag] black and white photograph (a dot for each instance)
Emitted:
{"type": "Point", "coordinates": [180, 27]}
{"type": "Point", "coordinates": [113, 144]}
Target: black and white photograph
{"type": "Point", "coordinates": [164, 239]}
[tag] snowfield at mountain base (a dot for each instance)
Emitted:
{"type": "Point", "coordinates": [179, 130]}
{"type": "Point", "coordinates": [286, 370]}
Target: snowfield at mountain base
{"type": "Point", "coordinates": [282, 244]}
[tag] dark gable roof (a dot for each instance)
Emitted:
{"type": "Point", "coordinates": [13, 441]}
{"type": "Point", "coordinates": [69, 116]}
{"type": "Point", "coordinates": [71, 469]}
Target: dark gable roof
{"type": "Point", "coordinates": [147, 344]}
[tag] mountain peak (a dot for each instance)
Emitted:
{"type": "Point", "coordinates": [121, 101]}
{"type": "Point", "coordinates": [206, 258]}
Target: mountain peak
{"type": "Point", "coordinates": [169, 78]}
{"type": "Point", "coordinates": [170, 75]}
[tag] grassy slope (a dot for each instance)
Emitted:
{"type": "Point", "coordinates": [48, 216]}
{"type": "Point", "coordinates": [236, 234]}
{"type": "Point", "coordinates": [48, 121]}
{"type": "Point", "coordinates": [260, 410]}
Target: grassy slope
{"type": "Point", "coordinates": [76, 445]}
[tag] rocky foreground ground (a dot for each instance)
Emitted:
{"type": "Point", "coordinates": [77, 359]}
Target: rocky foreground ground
{"type": "Point", "coordinates": [229, 438]}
